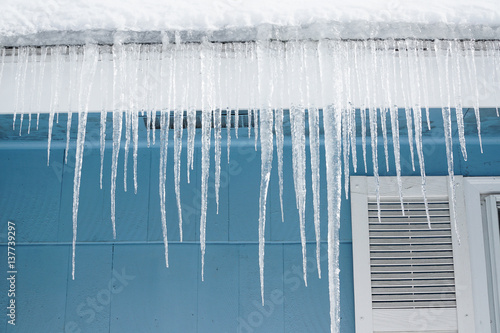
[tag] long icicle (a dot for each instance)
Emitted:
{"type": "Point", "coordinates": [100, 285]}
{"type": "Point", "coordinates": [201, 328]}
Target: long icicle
{"type": "Point", "coordinates": [394, 113]}
{"type": "Point", "coordinates": [191, 114]}
{"type": "Point", "coordinates": [346, 117]}
{"type": "Point", "coordinates": [266, 146]}
{"type": "Point", "coordinates": [206, 126]}
{"type": "Point", "coordinates": [457, 93]}
{"type": "Point", "coordinates": [332, 123]}
{"type": "Point", "coordinates": [55, 59]}
{"type": "Point", "coordinates": [17, 82]}
{"type": "Point", "coordinates": [229, 105]}
{"type": "Point", "coordinates": [298, 150]}
{"type": "Point", "coordinates": [164, 124]}
{"type": "Point", "coordinates": [164, 128]}
{"type": "Point", "coordinates": [278, 125]}
{"type": "Point", "coordinates": [90, 57]}
{"type": "Point", "coordinates": [43, 58]}
{"type": "Point", "coordinates": [134, 110]}
{"type": "Point", "coordinates": [446, 113]}
{"type": "Point", "coordinates": [128, 113]}
{"type": "Point", "coordinates": [73, 87]}
{"type": "Point", "coordinates": [372, 114]}
{"type": "Point", "coordinates": [311, 70]}
{"type": "Point", "coordinates": [414, 77]}
{"type": "Point", "coordinates": [217, 114]}
{"type": "Point", "coordinates": [33, 75]}
{"type": "Point", "coordinates": [178, 129]}
{"type": "Point", "coordinates": [402, 55]}
{"type": "Point", "coordinates": [470, 50]}
{"type": "Point", "coordinates": [23, 86]}
{"type": "Point", "coordinates": [118, 100]}
{"type": "Point", "coordinates": [104, 114]}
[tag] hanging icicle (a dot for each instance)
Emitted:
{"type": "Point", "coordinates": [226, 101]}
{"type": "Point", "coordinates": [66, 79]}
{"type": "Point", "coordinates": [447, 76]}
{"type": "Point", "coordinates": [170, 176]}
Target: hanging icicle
{"type": "Point", "coordinates": [325, 87]}
{"type": "Point", "coordinates": [90, 57]}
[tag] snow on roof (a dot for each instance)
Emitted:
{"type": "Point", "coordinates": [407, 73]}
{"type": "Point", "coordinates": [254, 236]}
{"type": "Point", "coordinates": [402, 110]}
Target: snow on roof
{"type": "Point", "coordinates": [75, 21]}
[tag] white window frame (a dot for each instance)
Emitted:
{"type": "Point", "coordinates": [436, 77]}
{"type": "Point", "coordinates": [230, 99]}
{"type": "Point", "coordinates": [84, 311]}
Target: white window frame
{"type": "Point", "coordinates": [480, 204]}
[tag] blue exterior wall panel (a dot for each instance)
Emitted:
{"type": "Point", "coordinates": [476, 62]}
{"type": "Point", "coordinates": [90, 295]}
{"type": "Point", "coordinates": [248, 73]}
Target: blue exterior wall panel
{"type": "Point", "coordinates": [123, 285]}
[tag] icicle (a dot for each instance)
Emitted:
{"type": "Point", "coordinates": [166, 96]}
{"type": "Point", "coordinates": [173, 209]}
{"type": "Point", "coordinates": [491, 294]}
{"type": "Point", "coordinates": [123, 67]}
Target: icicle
{"type": "Point", "coordinates": [409, 126]}
{"type": "Point", "coordinates": [178, 115]}
{"type": "Point", "coordinates": [256, 128]}
{"type": "Point", "coordinates": [229, 80]}
{"type": "Point", "coordinates": [332, 125]}
{"type": "Point", "coordinates": [135, 141]}
{"type": "Point", "coordinates": [352, 110]}
{"type": "Point", "coordinates": [55, 56]}
{"type": "Point", "coordinates": [363, 108]}
{"type": "Point", "coordinates": [394, 121]}
{"type": "Point", "coordinates": [423, 69]}
{"type": "Point", "coordinates": [372, 113]}
{"type": "Point", "coordinates": [266, 142]}
{"type": "Point", "coordinates": [102, 132]}
{"type": "Point", "coordinates": [127, 106]}
{"type": "Point", "coordinates": [383, 120]}
{"type": "Point", "coordinates": [266, 146]}
{"type": "Point", "coordinates": [311, 71]}
{"type": "Point", "coordinates": [145, 55]}
{"type": "Point", "coordinates": [17, 81]}
{"type": "Point", "coordinates": [414, 82]}
{"type": "Point", "coordinates": [346, 117]}
{"type": "Point", "coordinates": [298, 150]}
{"type": "Point", "coordinates": [446, 113]}
{"type": "Point", "coordinates": [333, 129]}
{"type": "Point", "coordinates": [134, 109]}
{"type": "Point", "coordinates": [25, 61]}
{"type": "Point", "coordinates": [457, 93]}
{"type": "Point", "coordinates": [253, 98]}
{"type": "Point", "coordinates": [60, 51]}
{"type": "Point", "coordinates": [278, 125]}
{"type": "Point", "coordinates": [32, 75]}
{"type": "Point", "coordinates": [206, 122]}
{"type": "Point", "coordinates": [217, 123]}
{"type": "Point", "coordinates": [345, 149]}
{"type": "Point", "coordinates": [418, 141]}
{"type": "Point", "coordinates": [118, 99]}
{"type": "Point", "coordinates": [239, 58]}
{"type": "Point", "coordinates": [191, 119]}
{"type": "Point", "coordinates": [90, 57]}
{"type": "Point", "coordinates": [384, 105]}
{"type": "Point", "coordinates": [132, 113]}
{"type": "Point", "coordinates": [373, 141]}
{"type": "Point", "coordinates": [471, 62]}
{"type": "Point", "coordinates": [164, 126]}
{"type": "Point", "coordinates": [73, 76]}
{"type": "Point", "coordinates": [43, 58]}
{"type": "Point", "coordinates": [158, 91]}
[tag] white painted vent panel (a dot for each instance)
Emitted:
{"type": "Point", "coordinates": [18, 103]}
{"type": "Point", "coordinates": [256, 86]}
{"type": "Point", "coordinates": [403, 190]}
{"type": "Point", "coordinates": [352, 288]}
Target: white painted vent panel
{"type": "Point", "coordinates": [408, 277]}
{"type": "Point", "coordinates": [411, 265]}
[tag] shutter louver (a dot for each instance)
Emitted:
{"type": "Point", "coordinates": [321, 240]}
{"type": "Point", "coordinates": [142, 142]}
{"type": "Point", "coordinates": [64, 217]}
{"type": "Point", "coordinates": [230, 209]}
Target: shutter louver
{"type": "Point", "coordinates": [411, 265]}
{"type": "Point", "coordinates": [408, 277]}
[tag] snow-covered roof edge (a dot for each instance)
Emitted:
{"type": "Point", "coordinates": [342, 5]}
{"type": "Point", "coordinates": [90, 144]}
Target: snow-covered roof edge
{"type": "Point", "coordinates": [315, 31]}
{"type": "Point", "coordinates": [69, 22]}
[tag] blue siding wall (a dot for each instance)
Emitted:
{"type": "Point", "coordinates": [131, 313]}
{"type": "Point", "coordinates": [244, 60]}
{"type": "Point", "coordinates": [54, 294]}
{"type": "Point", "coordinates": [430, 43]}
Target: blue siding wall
{"type": "Point", "coordinates": [122, 285]}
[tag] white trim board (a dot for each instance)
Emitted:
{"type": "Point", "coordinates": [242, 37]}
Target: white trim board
{"type": "Point", "coordinates": [474, 188]}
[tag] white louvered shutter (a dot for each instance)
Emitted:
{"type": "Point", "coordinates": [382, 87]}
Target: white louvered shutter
{"type": "Point", "coordinates": [407, 277]}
